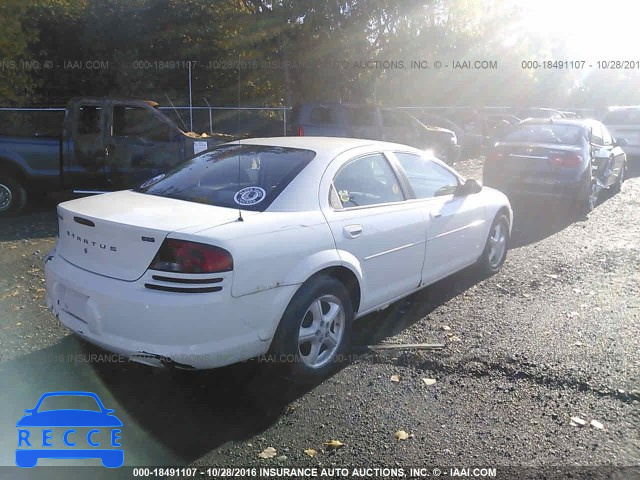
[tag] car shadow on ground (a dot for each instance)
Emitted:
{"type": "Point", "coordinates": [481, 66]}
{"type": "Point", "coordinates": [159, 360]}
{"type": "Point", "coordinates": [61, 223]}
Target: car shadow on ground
{"type": "Point", "coordinates": [536, 219]}
{"type": "Point", "coordinates": [192, 413]}
{"type": "Point", "coordinates": [399, 316]}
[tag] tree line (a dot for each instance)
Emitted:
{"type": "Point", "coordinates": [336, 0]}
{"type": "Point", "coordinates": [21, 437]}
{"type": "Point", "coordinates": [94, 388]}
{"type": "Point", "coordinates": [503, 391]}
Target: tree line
{"type": "Point", "coordinates": [282, 52]}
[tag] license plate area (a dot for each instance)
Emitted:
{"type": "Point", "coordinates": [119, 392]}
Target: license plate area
{"type": "Point", "coordinates": [75, 304]}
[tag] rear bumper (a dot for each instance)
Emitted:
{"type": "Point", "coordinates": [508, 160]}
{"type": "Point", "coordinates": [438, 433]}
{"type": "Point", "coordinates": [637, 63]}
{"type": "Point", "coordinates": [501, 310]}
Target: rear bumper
{"type": "Point", "coordinates": [188, 330]}
{"type": "Point", "coordinates": [533, 188]}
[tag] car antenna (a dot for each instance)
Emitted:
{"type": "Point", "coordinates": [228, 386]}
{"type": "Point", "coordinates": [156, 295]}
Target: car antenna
{"type": "Point", "coordinates": [186, 129]}
{"type": "Point", "coordinates": [240, 219]}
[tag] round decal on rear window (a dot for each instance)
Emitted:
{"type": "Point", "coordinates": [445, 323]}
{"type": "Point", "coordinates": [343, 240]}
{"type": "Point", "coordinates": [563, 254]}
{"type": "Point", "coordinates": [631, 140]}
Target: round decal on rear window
{"type": "Point", "coordinates": [249, 196]}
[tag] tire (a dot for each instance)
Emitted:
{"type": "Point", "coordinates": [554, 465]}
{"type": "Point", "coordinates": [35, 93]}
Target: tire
{"type": "Point", "coordinates": [618, 185]}
{"type": "Point", "coordinates": [13, 196]}
{"type": "Point", "coordinates": [496, 247]}
{"type": "Point", "coordinates": [312, 359]}
{"type": "Point", "coordinates": [587, 197]}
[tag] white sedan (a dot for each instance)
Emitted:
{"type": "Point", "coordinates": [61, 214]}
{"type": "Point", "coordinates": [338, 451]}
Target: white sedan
{"type": "Point", "coordinates": [267, 246]}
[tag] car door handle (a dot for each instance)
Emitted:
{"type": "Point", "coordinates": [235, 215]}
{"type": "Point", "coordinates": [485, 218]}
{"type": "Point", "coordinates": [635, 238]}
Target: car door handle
{"type": "Point", "coordinates": [352, 231]}
{"type": "Point", "coordinates": [436, 215]}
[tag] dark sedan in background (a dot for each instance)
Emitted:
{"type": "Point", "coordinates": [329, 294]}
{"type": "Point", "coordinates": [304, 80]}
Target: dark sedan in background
{"type": "Point", "coordinates": [564, 158]}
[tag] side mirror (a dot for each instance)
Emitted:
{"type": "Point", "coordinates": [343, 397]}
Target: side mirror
{"type": "Point", "coordinates": [469, 187]}
{"type": "Point", "coordinates": [621, 142]}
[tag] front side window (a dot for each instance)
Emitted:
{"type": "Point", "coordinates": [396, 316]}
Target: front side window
{"type": "Point", "coordinates": [89, 118]}
{"type": "Point", "coordinates": [427, 178]}
{"type": "Point", "coordinates": [247, 177]}
{"type": "Point", "coordinates": [367, 181]}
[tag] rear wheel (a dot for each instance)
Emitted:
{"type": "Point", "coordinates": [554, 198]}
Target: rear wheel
{"type": "Point", "coordinates": [587, 197]}
{"type": "Point", "coordinates": [314, 332]}
{"type": "Point", "coordinates": [495, 250]}
{"type": "Point", "coordinates": [13, 196]}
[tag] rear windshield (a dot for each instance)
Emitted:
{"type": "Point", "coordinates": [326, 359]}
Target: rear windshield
{"type": "Point", "coordinates": [546, 133]}
{"type": "Point", "coordinates": [623, 116]}
{"type": "Point", "coordinates": [249, 177]}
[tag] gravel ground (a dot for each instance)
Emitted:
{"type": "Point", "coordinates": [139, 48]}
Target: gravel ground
{"type": "Point", "coordinates": [554, 335]}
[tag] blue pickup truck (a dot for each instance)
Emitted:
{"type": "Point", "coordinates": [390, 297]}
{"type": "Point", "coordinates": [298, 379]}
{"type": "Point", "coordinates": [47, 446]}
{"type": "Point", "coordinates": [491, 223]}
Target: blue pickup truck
{"type": "Point", "coordinates": [106, 144]}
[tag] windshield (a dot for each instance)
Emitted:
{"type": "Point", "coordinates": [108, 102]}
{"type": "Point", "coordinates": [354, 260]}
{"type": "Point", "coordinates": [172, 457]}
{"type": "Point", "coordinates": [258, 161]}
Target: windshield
{"type": "Point", "coordinates": [249, 177]}
{"type": "Point", "coordinates": [546, 133]}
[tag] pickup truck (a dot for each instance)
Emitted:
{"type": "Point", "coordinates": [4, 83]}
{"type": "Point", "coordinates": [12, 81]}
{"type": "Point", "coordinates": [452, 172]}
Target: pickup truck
{"type": "Point", "coordinates": [106, 144]}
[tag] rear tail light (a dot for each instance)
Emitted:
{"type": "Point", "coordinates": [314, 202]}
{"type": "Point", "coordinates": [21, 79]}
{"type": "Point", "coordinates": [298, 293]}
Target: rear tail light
{"type": "Point", "coordinates": [567, 160]}
{"type": "Point", "coordinates": [181, 256]}
{"type": "Point", "coordinates": [300, 132]}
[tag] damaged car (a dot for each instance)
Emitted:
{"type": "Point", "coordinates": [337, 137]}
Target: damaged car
{"type": "Point", "coordinates": [564, 159]}
{"type": "Point", "coordinates": [267, 246]}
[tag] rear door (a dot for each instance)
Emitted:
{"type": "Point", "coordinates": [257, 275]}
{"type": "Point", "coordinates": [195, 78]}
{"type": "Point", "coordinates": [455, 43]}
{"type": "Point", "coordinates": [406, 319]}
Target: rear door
{"type": "Point", "coordinates": [375, 227]}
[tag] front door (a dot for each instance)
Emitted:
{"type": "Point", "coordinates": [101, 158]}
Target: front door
{"type": "Point", "coordinates": [454, 225]}
{"type": "Point", "coordinates": [140, 145]}
{"type": "Point", "coordinates": [85, 155]}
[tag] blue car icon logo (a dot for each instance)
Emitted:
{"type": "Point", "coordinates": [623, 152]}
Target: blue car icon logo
{"type": "Point", "coordinates": [69, 433]}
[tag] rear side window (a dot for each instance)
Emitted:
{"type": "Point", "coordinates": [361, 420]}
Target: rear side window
{"type": "Point", "coordinates": [367, 181]}
{"type": "Point", "coordinates": [622, 116]}
{"type": "Point", "coordinates": [322, 115]}
{"type": "Point", "coordinates": [249, 177]}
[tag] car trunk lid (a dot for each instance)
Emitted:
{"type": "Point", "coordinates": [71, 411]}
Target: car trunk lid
{"type": "Point", "coordinates": [529, 159]}
{"type": "Point", "coordinates": [118, 234]}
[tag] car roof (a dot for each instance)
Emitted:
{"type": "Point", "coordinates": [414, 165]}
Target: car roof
{"type": "Point", "coordinates": [327, 146]}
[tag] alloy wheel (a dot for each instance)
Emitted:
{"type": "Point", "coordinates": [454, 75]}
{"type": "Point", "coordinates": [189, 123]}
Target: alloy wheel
{"type": "Point", "coordinates": [497, 244]}
{"type": "Point", "coordinates": [321, 331]}
{"type": "Point", "coordinates": [5, 197]}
